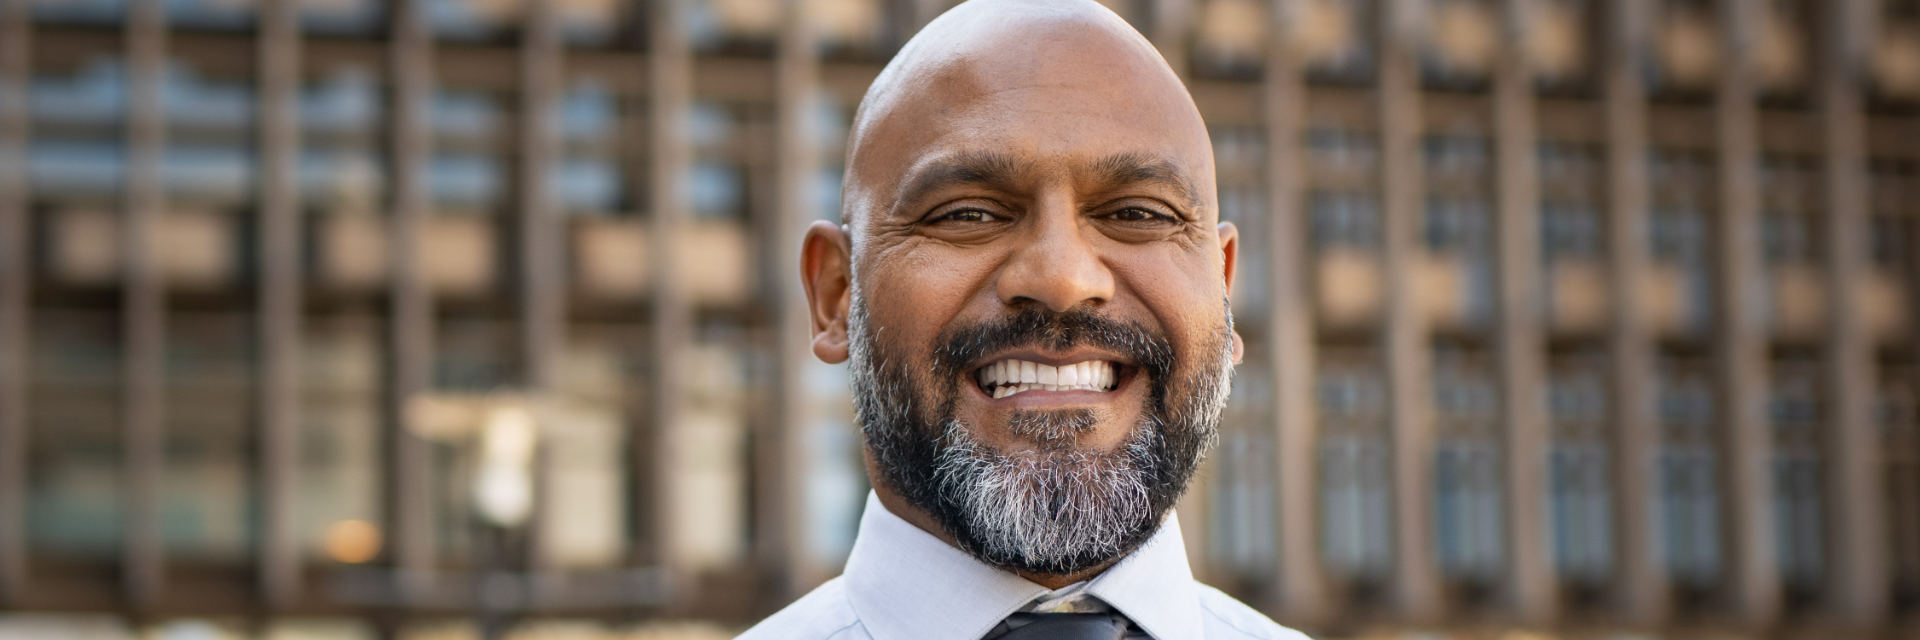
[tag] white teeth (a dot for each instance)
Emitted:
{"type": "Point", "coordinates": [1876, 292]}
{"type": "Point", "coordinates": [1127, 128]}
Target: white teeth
{"type": "Point", "coordinates": [1010, 376]}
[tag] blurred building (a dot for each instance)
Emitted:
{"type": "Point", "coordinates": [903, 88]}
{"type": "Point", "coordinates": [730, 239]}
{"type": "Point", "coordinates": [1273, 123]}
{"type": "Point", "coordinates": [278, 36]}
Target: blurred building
{"type": "Point", "coordinates": [1573, 316]}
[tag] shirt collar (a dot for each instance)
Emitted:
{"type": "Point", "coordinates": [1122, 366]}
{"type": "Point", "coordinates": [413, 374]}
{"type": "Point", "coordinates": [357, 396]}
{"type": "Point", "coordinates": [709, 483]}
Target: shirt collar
{"type": "Point", "coordinates": [1153, 586]}
{"type": "Point", "coordinates": [905, 583]}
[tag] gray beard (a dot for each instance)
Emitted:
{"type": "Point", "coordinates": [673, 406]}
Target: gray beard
{"type": "Point", "coordinates": [1055, 510]}
{"type": "Point", "coordinates": [1045, 508]}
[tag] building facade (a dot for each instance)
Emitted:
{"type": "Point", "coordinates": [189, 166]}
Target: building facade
{"type": "Point", "coordinates": [1574, 316]}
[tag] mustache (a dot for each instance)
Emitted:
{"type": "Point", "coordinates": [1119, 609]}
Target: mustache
{"type": "Point", "coordinates": [1035, 325]}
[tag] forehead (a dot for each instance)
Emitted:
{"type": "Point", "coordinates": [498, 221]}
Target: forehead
{"type": "Point", "coordinates": [1063, 98]}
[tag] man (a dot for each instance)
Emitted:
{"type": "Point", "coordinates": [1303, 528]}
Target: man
{"type": "Point", "coordinates": [1031, 284]}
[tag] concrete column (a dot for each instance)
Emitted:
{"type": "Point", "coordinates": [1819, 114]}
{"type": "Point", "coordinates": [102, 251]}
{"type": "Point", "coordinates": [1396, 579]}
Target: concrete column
{"type": "Point", "coordinates": [1409, 368]}
{"type": "Point", "coordinates": [542, 282]}
{"type": "Point", "coordinates": [16, 35]}
{"type": "Point", "coordinates": [1643, 588]}
{"type": "Point", "coordinates": [279, 296]}
{"type": "Point", "coordinates": [1740, 338]}
{"type": "Point", "coordinates": [1302, 597]}
{"type": "Point", "coordinates": [143, 309]}
{"type": "Point", "coordinates": [782, 448]}
{"type": "Point", "coordinates": [409, 463]}
{"type": "Point", "coordinates": [1856, 491]}
{"type": "Point", "coordinates": [1532, 584]}
{"type": "Point", "coordinates": [670, 94]}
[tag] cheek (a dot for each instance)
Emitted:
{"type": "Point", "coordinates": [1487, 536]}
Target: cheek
{"type": "Point", "coordinates": [1183, 292]}
{"type": "Point", "coordinates": [914, 294]}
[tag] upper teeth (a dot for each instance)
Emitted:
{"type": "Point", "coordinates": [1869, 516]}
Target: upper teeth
{"type": "Point", "coordinates": [1008, 377]}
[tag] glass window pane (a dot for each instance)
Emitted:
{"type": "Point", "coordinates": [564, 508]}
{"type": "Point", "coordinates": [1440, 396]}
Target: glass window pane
{"type": "Point", "coordinates": [341, 472]}
{"type": "Point", "coordinates": [74, 484]}
{"type": "Point", "coordinates": [206, 484]}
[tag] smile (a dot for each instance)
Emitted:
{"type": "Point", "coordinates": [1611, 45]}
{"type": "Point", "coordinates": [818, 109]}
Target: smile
{"type": "Point", "coordinates": [1013, 377]}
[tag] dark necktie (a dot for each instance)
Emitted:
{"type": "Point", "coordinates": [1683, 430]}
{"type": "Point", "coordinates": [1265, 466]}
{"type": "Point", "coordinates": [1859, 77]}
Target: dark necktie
{"type": "Point", "coordinates": [1060, 626]}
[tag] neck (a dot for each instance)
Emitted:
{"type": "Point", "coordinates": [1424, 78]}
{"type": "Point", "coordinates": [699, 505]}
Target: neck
{"type": "Point", "coordinates": [899, 506]}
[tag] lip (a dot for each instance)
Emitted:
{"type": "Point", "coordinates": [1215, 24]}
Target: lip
{"type": "Point", "coordinates": [1125, 372]}
{"type": "Point", "coordinates": [1051, 358]}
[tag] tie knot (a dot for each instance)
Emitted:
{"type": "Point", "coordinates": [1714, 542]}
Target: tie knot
{"type": "Point", "coordinates": [1060, 626]}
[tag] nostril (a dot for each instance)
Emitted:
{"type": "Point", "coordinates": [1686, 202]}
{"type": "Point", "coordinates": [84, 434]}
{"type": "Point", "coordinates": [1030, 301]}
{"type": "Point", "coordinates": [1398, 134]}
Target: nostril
{"type": "Point", "coordinates": [1057, 278]}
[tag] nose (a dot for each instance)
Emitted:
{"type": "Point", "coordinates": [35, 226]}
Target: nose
{"type": "Point", "coordinates": [1057, 263]}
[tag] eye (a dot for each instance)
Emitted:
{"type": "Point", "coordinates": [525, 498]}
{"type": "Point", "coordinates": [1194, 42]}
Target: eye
{"type": "Point", "coordinates": [965, 216]}
{"type": "Point", "coordinates": [1137, 215]}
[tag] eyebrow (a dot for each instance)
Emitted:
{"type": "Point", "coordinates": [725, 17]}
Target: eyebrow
{"type": "Point", "coordinates": [1002, 171]}
{"type": "Point", "coordinates": [985, 168]}
{"type": "Point", "coordinates": [1137, 168]}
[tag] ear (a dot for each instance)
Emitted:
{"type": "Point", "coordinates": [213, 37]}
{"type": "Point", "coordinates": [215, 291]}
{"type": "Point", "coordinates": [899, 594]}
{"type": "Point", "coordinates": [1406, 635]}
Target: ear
{"type": "Point", "coordinates": [1230, 254]}
{"type": "Point", "coordinates": [826, 273]}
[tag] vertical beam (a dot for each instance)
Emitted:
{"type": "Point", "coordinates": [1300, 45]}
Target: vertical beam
{"type": "Point", "coordinates": [671, 321]}
{"type": "Point", "coordinates": [143, 306]}
{"type": "Point", "coordinates": [1909, 209]}
{"type": "Point", "coordinates": [410, 510]}
{"type": "Point", "coordinates": [15, 39]}
{"type": "Point", "coordinates": [781, 449]}
{"type": "Point", "coordinates": [279, 295]}
{"type": "Point", "coordinates": [1855, 491]}
{"type": "Point", "coordinates": [1741, 340]}
{"type": "Point", "coordinates": [1302, 595]}
{"type": "Point", "coordinates": [1531, 581]}
{"type": "Point", "coordinates": [542, 281]}
{"type": "Point", "coordinates": [1416, 576]}
{"type": "Point", "coordinates": [1643, 589]}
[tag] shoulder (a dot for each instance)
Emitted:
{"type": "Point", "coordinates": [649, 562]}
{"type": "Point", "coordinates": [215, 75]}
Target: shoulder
{"type": "Point", "coordinates": [823, 614]}
{"type": "Point", "coordinates": [1229, 618]}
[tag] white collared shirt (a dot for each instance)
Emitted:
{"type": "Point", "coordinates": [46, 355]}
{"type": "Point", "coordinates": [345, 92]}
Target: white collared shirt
{"type": "Point", "coordinates": [902, 583]}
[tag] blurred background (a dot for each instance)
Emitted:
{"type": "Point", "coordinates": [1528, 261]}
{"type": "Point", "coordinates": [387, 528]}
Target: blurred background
{"type": "Point", "coordinates": [447, 319]}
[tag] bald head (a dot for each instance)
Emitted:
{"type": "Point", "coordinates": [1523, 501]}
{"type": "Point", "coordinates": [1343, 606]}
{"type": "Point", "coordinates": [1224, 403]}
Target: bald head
{"type": "Point", "coordinates": [1029, 189]}
{"type": "Point", "coordinates": [1024, 81]}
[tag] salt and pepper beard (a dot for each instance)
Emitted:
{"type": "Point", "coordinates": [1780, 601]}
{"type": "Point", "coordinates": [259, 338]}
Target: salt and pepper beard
{"type": "Point", "coordinates": [1055, 509]}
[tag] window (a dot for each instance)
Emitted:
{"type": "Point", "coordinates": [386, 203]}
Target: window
{"type": "Point", "coordinates": [1690, 467]}
{"type": "Point", "coordinates": [1241, 507]}
{"type": "Point", "coordinates": [210, 159]}
{"type": "Point", "coordinates": [343, 166]}
{"type": "Point", "coordinates": [1469, 531]}
{"type": "Point", "coordinates": [1344, 219]}
{"type": "Point", "coordinates": [1355, 465]}
{"type": "Point", "coordinates": [206, 486]}
{"type": "Point", "coordinates": [78, 148]}
{"type": "Point", "coordinates": [1899, 416]}
{"type": "Point", "coordinates": [475, 19]}
{"type": "Point", "coordinates": [343, 17]}
{"type": "Point", "coordinates": [1796, 407]}
{"type": "Point", "coordinates": [1580, 490]}
{"type": "Point", "coordinates": [338, 512]}
{"type": "Point", "coordinates": [74, 485]}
